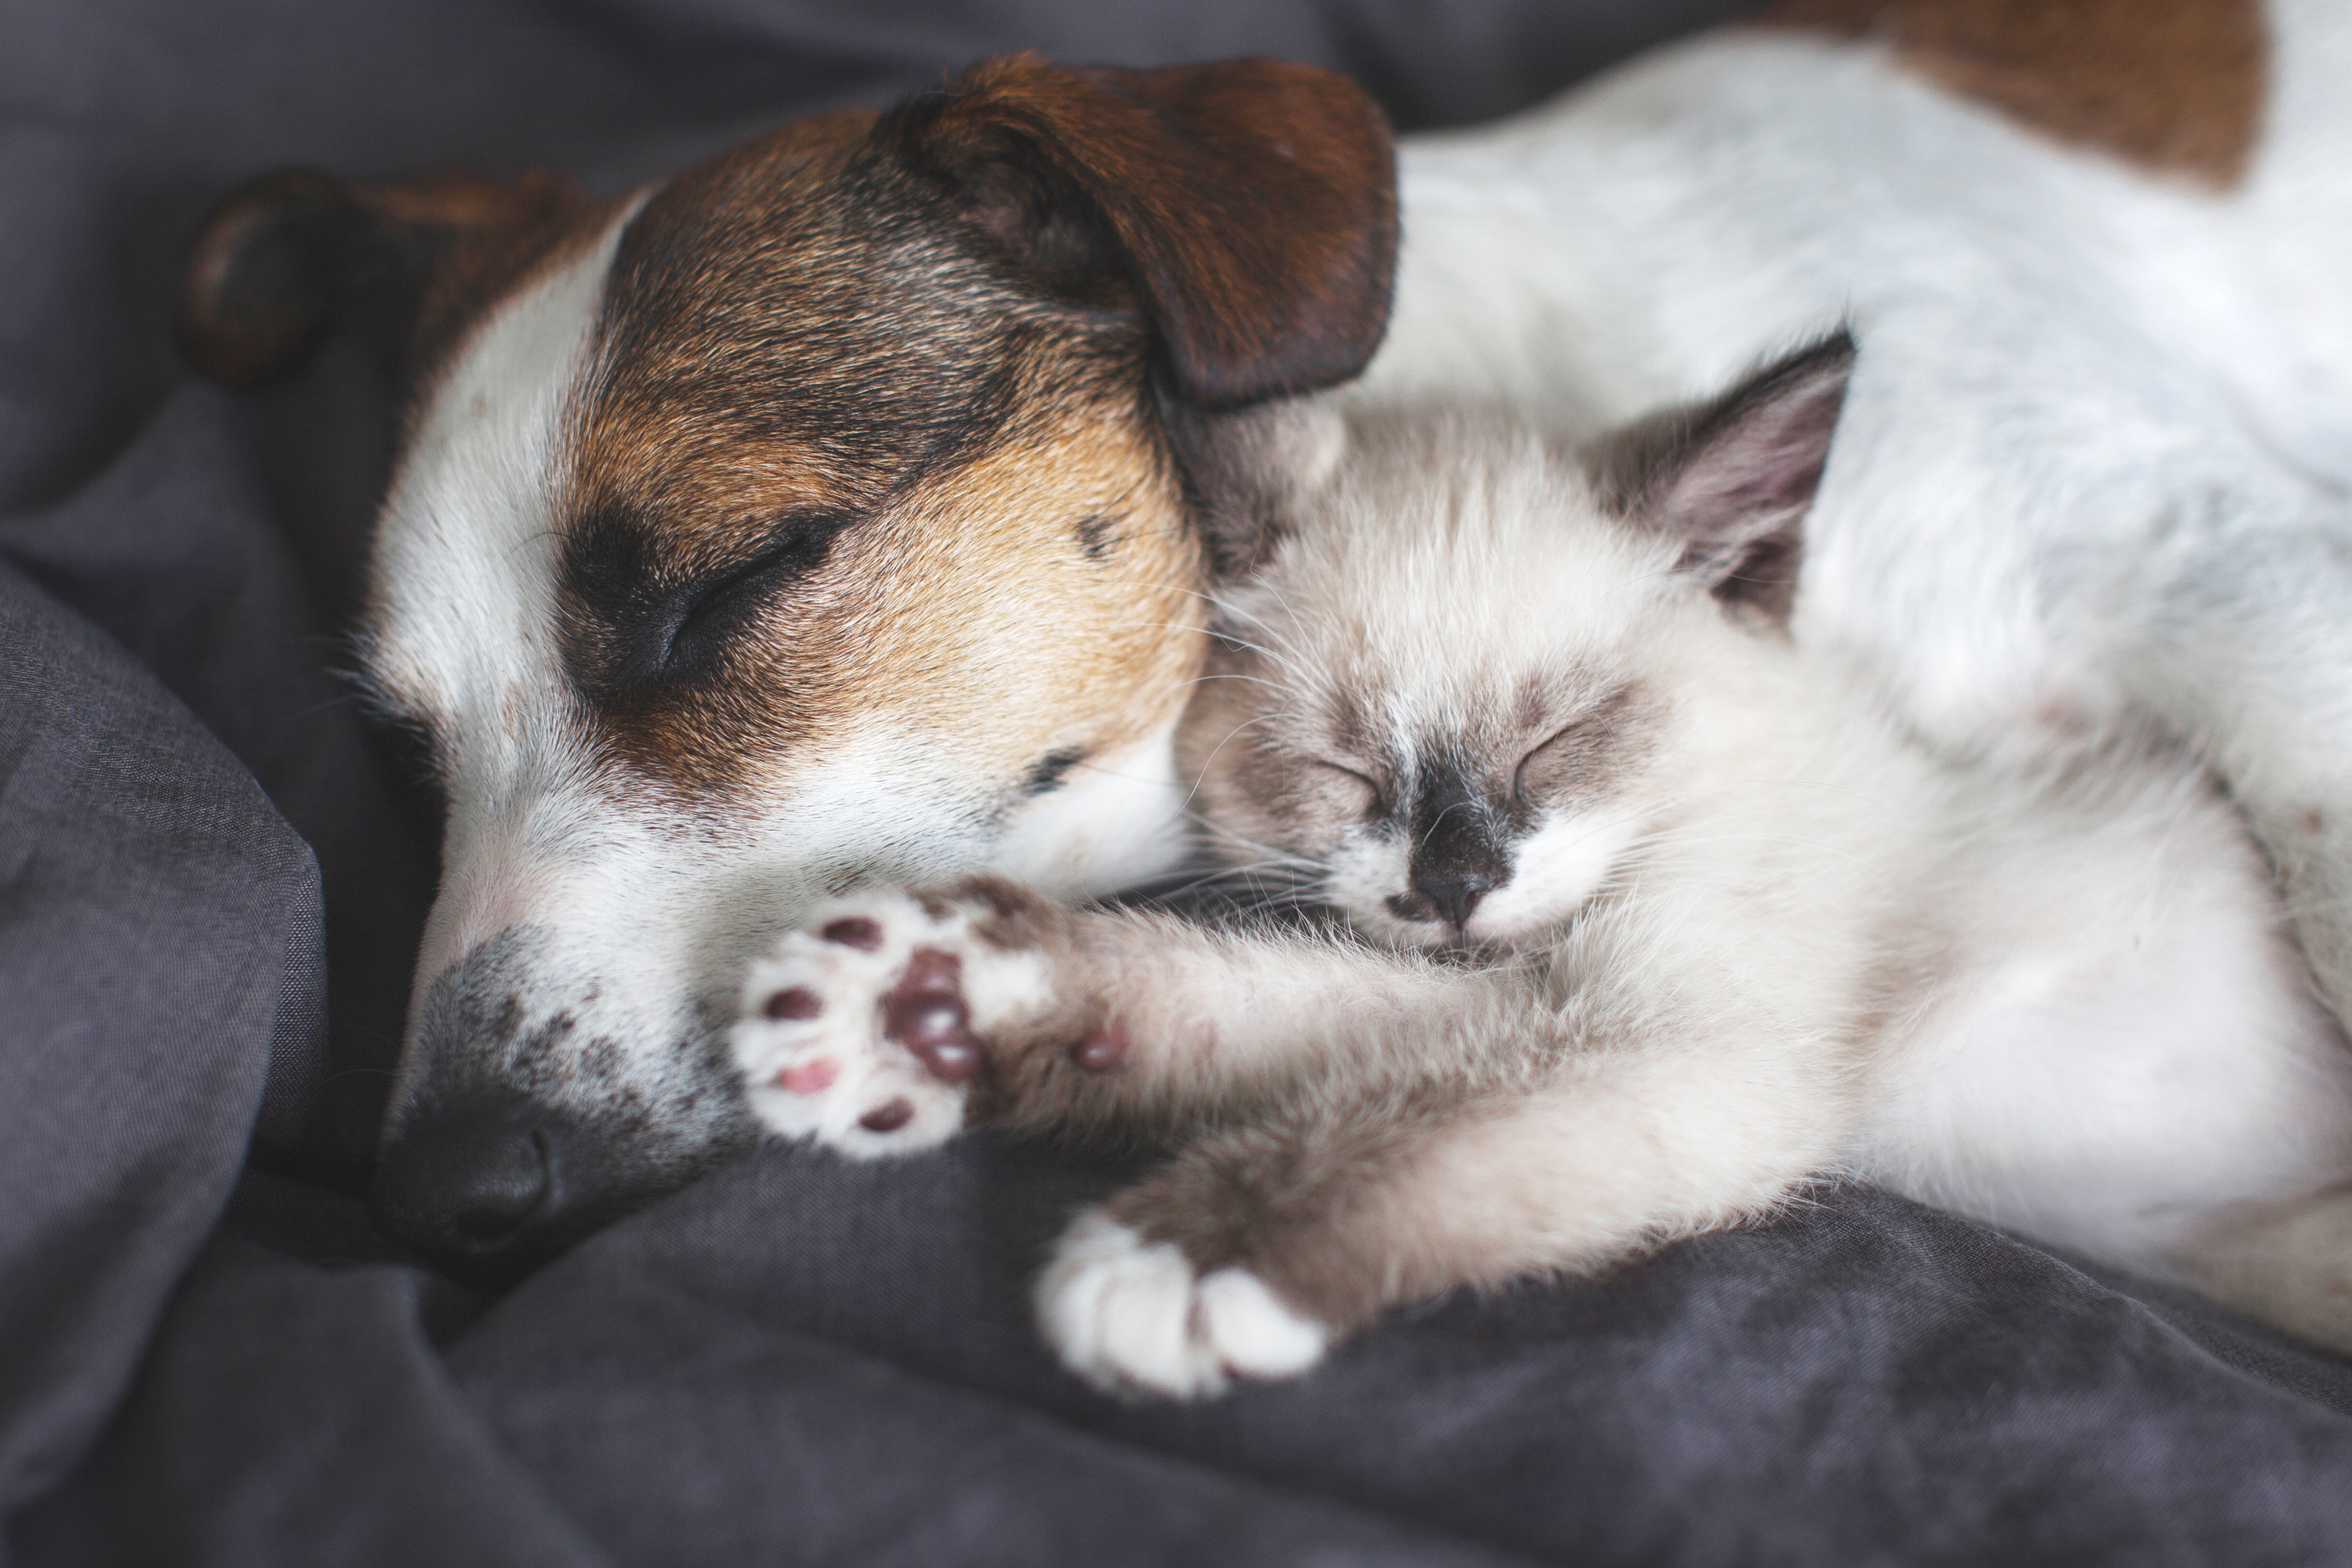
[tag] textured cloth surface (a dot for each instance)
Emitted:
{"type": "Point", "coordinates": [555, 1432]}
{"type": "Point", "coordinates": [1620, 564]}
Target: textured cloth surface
{"type": "Point", "coordinates": [212, 877]}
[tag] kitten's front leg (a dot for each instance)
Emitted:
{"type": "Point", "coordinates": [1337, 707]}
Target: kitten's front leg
{"type": "Point", "coordinates": [895, 1018]}
{"type": "Point", "coordinates": [1502, 1149]}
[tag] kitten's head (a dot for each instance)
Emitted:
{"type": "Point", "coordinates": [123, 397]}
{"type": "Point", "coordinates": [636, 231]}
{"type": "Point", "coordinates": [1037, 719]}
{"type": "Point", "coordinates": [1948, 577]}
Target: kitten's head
{"type": "Point", "coordinates": [1452, 700]}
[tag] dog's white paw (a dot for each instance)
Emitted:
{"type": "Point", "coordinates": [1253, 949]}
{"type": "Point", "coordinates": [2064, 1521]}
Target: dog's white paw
{"type": "Point", "coordinates": [1131, 1316]}
{"type": "Point", "coordinates": [863, 1030]}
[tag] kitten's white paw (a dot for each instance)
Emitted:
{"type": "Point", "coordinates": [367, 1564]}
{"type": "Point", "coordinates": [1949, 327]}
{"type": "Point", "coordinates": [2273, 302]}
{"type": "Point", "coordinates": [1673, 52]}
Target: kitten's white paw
{"type": "Point", "coordinates": [1129, 1315]}
{"type": "Point", "coordinates": [862, 1029]}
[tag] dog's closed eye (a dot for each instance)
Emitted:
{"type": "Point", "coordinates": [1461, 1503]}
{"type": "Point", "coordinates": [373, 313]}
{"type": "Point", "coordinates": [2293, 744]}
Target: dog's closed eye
{"type": "Point", "coordinates": [634, 622]}
{"type": "Point", "coordinates": [709, 612]}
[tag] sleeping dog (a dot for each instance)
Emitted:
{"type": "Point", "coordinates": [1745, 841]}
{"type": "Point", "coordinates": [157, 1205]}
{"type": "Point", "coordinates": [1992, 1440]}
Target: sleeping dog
{"type": "Point", "coordinates": [839, 511]}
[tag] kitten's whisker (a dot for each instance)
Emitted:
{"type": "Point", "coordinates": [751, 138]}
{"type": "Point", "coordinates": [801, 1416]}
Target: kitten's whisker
{"type": "Point", "coordinates": [1217, 750]}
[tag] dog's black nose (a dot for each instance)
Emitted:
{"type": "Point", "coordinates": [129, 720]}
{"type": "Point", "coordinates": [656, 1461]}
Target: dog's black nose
{"type": "Point", "coordinates": [1455, 896]}
{"type": "Point", "coordinates": [490, 1185]}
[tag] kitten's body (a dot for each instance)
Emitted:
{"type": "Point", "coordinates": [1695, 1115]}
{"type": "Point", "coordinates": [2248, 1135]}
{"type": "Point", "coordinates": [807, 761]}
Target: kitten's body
{"type": "Point", "coordinates": [2067, 1001]}
{"type": "Point", "coordinates": [1735, 931]}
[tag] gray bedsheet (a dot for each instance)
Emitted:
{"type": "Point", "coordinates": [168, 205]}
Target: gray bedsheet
{"type": "Point", "coordinates": [212, 874]}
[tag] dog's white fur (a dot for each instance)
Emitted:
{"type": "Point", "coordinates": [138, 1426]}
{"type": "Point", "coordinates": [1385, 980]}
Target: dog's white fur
{"type": "Point", "coordinates": [2094, 462]}
{"type": "Point", "coordinates": [2096, 450]}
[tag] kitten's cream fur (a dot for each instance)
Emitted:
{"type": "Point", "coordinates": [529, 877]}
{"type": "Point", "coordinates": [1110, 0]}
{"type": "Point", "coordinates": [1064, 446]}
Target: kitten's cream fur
{"type": "Point", "coordinates": [1733, 932]}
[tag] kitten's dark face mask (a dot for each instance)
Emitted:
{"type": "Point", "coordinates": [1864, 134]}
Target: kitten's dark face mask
{"type": "Point", "coordinates": [1482, 832]}
{"type": "Point", "coordinates": [1504, 844]}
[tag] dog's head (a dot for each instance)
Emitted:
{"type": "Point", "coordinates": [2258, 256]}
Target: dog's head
{"type": "Point", "coordinates": [827, 514]}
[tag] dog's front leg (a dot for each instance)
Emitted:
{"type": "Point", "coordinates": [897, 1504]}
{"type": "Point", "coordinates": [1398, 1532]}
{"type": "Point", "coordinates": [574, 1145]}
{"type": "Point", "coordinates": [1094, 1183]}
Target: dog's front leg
{"type": "Point", "coordinates": [895, 1018]}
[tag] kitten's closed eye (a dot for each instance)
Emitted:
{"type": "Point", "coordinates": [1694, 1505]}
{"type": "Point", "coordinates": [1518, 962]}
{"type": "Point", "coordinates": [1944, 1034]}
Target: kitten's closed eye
{"type": "Point", "coordinates": [1373, 797]}
{"type": "Point", "coordinates": [1585, 755]}
{"type": "Point", "coordinates": [1565, 737]}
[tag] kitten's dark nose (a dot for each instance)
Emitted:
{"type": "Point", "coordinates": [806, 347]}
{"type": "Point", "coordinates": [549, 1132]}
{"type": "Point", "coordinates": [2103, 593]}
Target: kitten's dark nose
{"type": "Point", "coordinates": [1453, 896]}
{"type": "Point", "coordinates": [1457, 857]}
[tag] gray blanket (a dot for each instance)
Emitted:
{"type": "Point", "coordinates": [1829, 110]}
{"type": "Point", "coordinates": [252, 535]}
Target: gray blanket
{"type": "Point", "coordinates": [212, 874]}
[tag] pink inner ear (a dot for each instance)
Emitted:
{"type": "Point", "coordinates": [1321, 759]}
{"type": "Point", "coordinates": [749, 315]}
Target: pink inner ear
{"type": "Point", "coordinates": [1785, 468]}
{"type": "Point", "coordinates": [1761, 571]}
{"type": "Point", "coordinates": [1749, 463]}
{"type": "Point", "coordinates": [1737, 485]}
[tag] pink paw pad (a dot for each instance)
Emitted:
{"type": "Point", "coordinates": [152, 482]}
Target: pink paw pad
{"type": "Point", "coordinates": [925, 1012]}
{"type": "Point", "coordinates": [810, 1078]}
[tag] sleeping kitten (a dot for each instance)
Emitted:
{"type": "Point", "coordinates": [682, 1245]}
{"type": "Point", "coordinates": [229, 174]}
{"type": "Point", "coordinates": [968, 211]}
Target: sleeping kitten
{"type": "Point", "coordinates": [1660, 919]}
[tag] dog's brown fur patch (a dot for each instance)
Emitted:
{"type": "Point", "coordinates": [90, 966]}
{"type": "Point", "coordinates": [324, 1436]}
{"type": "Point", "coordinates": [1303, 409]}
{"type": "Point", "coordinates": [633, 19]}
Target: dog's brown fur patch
{"type": "Point", "coordinates": [1252, 204]}
{"type": "Point", "coordinates": [2174, 86]}
{"type": "Point", "coordinates": [867, 386]}
{"type": "Point", "coordinates": [877, 442]}
{"type": "Point", "coordinates": [796, 333]}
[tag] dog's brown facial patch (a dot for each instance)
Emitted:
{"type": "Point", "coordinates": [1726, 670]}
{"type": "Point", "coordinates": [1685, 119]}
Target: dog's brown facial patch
{"type": "Point", "coordinates": [870, 441]}
{"type": "Point", "coordinates": [877, 445]}
{"type": "Point", "coordinates": [839, 466]}
{"type": "Point", "coordinates": [2174, 86]}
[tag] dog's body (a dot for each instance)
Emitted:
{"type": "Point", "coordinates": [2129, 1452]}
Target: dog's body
{"type": "Point", "coordinates": [934, 595]}
{"type": "Point", "coordinates": [2097, 411]}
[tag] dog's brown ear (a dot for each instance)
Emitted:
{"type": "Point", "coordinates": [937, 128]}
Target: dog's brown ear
{"type": "Point", "coordinates": [1250, 203]}
{"type": "Point", "coordinates": [1732, 479]}
{"type": "Point", "coordinates": [285, 257]}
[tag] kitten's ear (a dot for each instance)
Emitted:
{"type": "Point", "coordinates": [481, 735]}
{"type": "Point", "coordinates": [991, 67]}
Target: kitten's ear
{"type": "Point", "coordinates": [1732, 479]}
{"type": "Point", "coordinates": [1247, 473]}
